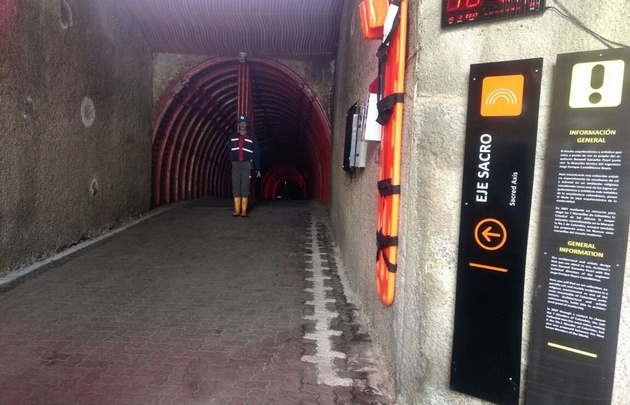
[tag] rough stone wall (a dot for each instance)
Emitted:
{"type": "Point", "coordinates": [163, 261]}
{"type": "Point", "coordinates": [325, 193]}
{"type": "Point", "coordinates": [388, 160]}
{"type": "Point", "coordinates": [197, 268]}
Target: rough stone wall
{"type": "Point", "coordinates": [169, 67]}
{"type": "Point", "coordinates": [75, 108]}
{"type": "Point", "coordinates": [319, 76]}
{"type": "Point", "coordinates": [415, 333]}
{"type": "Point", "coordinates": [353, 201]}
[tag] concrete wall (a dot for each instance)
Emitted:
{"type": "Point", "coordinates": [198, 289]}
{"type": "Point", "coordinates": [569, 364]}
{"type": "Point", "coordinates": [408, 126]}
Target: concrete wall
{"type": "Point", "coordinates": [415, 333]}
{"type": "Point", "coordinates": [353, 198]}
{"type": "Point", "coordinates": [75, 108]}
{"type": "Point", "coordinates": [169, 67]}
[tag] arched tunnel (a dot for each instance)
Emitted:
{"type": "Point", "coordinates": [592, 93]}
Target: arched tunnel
{"type": "Point", "coordinates": [198, 112]}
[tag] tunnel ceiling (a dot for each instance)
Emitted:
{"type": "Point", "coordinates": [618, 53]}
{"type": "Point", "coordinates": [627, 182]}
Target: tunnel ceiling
{"type": "Point", "coordinates": [293, 29]}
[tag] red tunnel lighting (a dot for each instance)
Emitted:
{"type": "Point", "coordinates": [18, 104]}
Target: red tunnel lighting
{"type": "Point", "coordinates": [198, 111]}
{"type": "Point", "coordinates": [278, 175]}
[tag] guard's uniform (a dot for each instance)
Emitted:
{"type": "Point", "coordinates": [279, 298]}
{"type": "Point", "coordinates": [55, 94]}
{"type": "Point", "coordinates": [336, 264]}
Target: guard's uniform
{"type": "Point", "coordinates": [245, 156]}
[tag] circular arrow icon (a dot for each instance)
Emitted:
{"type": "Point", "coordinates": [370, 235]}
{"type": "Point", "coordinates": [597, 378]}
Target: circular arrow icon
{"type": "Point", "coordinates": [490, 234]}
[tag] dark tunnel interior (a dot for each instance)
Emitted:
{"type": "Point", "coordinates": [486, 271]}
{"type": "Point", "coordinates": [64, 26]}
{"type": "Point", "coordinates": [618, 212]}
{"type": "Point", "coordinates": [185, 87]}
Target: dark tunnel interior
{"type": "Point", "coordinates": [198, 112]}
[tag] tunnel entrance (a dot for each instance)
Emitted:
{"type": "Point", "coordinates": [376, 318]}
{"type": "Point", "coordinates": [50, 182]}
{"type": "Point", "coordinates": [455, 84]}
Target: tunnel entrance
{"type": "Point", "coordinates": [284, 183]}
{"type": "Point", "coordinates": [198, 112]}
{"type": "Point", "coordinates": [287, 191]}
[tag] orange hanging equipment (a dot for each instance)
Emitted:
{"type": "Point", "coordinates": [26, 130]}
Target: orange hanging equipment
{"type": "Point", "coordinates": [373, 13]}
{"type": "Point", "coordinates": [391, 89]}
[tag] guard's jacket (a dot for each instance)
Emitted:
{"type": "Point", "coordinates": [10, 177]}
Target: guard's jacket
{"type": "Point", "coordinates": [244, 148]}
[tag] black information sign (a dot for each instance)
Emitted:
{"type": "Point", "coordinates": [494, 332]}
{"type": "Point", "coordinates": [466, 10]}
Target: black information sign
{"type": "Point", "coordinates": [584, 231]}
{"type": "Point", "coordinates": [501, 129]}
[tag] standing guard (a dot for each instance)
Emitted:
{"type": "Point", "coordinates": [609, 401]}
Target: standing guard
{"type": "Point", "coordinates": [245, 156]}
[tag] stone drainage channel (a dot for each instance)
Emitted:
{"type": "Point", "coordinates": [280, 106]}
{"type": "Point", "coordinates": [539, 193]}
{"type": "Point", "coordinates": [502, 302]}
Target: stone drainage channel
{"type": "Point", "coordinates": [342, 350]}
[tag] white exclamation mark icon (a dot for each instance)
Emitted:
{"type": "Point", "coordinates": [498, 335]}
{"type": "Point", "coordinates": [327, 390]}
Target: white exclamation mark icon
{"type": "Point", "coordinates": [597, 84]}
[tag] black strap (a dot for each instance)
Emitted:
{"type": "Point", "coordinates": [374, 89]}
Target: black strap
{"type": "Point", "coordinates": [384, 46]}
{"type": "Point", "coordinates": [382, 62]}
{"type": "Point", "coordinates": [385, 188]}
{"type": "Point", "coordinates": [381, 54]}
{"type": "Point", "coordinates": [395, 23]}
{"type": "Point", "coordinates": [386, 106]}
{"type": "Point", "coordinates": [382, 242]}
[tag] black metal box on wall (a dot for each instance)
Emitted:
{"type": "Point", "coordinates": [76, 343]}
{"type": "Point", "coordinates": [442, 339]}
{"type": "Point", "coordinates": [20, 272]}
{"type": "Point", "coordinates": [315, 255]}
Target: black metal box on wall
{"type": "Point", "coordinates": [350, 134]}
{"type": "Point", "coordinates": [355, 148]}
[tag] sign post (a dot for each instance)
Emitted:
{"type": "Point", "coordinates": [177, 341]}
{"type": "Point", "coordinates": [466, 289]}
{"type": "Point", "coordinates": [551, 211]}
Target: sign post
{"type": "Point", "coordinates": [498, 174]}
{"type": "Point", "coordinates": [584, 231]}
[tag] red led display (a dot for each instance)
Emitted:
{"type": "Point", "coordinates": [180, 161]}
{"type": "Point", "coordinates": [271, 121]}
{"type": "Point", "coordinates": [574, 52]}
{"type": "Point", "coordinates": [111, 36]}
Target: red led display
{"type": "Point", "coordinates": [457, 12]}
{"type": "Point", "coordinates": [458, 5]}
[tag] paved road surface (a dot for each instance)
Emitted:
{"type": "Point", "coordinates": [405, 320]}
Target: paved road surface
{"type": "Point", "coordinates": [191, 306]}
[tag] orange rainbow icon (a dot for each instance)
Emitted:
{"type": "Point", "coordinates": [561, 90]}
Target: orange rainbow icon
{"type": "Point", "coordinates": [502, 96]}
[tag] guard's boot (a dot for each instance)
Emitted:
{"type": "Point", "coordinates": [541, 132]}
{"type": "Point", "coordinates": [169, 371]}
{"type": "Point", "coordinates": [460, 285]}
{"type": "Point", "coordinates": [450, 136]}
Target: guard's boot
{"type": "Point", "coordinates": [244, 207]}
{"type": "Point", "coordinates": [237, 206]}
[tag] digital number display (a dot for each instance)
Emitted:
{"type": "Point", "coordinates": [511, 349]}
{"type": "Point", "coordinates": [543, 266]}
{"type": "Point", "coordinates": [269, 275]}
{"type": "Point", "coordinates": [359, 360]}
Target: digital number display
{"type": "Point", "coordinates": [458, 12]}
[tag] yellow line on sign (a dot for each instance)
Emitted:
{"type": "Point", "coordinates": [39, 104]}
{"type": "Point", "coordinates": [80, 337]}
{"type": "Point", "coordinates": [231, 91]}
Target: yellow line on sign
{"type": "Point", "coordinates": [486, 267]}
{"type": "Point", "coordinates": [570, 349]}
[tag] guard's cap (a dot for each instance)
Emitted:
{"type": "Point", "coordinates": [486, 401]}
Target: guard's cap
{"type": "Point", "coordinates": [243, 118]}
